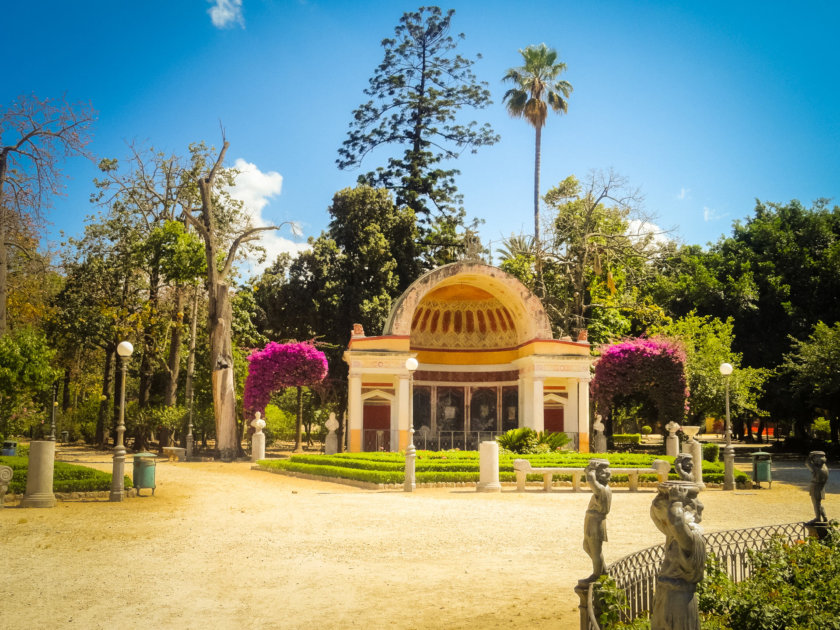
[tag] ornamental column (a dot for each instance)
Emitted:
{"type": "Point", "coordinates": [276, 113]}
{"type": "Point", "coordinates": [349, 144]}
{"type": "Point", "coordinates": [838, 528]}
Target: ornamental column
{"type": "Point", "coordinates": [583, 415]}
{"type": "Point", "coordinates": [355, 412]}
{"type": "Point", "coordinates": [403, 415]}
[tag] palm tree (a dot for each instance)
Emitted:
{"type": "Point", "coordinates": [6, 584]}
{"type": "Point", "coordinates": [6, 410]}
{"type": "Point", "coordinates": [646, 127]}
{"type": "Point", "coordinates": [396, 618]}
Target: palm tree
{"type": "Point", "coordinates": [537, 88]}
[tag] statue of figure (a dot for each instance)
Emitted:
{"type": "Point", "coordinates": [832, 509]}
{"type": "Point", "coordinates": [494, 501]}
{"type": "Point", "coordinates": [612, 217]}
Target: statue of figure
{"type": "Point", "coordinates": [819, 476]}
{"type": "Point", "coordinates": [595, 524]}
{"type": "Point", "coordinates": [599, 440]}
{"type": "Point", "coordinates": [677, 511]}
{"type": "Point", "coordinates": [684, 466]}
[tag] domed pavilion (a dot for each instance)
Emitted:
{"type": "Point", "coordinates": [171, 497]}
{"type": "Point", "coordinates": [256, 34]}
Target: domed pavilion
{"type": "Point", "coordinates": [487, 363]}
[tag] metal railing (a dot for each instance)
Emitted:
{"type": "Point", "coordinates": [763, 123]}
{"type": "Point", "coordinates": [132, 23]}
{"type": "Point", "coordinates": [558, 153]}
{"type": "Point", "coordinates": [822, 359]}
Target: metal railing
{"type": "Point", "coordinates": [636, 574]}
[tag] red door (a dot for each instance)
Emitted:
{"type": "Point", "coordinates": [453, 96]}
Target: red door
{"type": "Point", "coordinates": [377, 427]}
{"type": "Point", "coordinates": [553, 418]}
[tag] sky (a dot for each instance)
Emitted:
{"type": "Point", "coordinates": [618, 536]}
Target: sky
{"type": "Point", "coordinates": [703, 106]}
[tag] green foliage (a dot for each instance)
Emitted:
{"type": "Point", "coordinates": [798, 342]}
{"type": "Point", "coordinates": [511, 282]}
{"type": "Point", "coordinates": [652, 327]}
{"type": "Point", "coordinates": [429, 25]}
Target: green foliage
{"type": "Point", "coordinates": [66, 477]}
{"type": "Point", "coordinates": [279, 424]}
{"type": "Point", "coordinates": [646, 430]}
{"type": "Point", "coordinates": [821, 429]}
{"type": "Point", "coordinates": [792, 586]}
{"type": "Point", "coordinates": [26, 370]}
{"type": "Point", "coordinates": [525, 440]}
{"type": "Point", "coordinates": [416, 95]}
{"type": "Point", "coordinates": [627, 438]}
{"type": "Point", "coordinates": [711, 452]}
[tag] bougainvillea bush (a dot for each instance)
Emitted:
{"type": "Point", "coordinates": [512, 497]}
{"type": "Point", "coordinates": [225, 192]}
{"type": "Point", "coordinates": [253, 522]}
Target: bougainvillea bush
{"type": "Point", "coordinates": [654, 367]}
{"type": "Point", "coordinates": [280, 365]}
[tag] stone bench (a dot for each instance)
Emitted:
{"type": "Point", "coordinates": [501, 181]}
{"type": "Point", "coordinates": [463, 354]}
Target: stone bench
{"type": "Point", "coordinates": [175, 453]}
{"type": "Point", "coordinates": [522, 468]}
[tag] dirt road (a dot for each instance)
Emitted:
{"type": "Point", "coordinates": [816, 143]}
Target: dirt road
{"type": "Point", "coordinates": [224, 546]}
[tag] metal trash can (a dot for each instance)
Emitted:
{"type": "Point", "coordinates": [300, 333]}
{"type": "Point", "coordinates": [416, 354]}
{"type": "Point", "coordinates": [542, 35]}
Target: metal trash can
{"type": "Point", "coordinates": [144, 471]}
{"type": "Point", "coordinates": [9, 448]}
{"type": "Point", "coordinates": [65, 436]}
{"type": "Point", "coordinates": [761, 468]}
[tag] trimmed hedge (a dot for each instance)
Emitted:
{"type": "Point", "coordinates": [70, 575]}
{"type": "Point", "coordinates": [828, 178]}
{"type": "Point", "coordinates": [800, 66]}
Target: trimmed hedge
{"type": "Point", "coordinates": [463, 466]}
{"type": "Point", "coordinates": [66, 477]}
{"type": "Point", "coordinates": [627, 438]}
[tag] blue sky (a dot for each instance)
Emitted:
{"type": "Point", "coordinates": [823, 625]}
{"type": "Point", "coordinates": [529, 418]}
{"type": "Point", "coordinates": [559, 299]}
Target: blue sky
{"type": "Point", "coordinates": [704, 106]}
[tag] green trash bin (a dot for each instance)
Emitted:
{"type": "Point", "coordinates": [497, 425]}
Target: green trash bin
{"type": "Point", "coordinates": [761, 468]}
{"type": "Point", "coordinates": [144, 471]}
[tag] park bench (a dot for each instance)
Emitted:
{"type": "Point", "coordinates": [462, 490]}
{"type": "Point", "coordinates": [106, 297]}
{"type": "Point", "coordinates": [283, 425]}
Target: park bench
{"type": "Point", "coordinates": [523, 468]}
{"type": "Point", "coordinates": [175, 453]}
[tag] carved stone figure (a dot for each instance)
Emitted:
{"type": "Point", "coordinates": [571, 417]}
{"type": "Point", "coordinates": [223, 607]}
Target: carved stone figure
{"type": "Point", "coordinates": [599, 440]}
{"type": "Point", "coordinates": [331, 443]}
{"type": "Point", "coordinates": [684, 466]}
{"type": "Point", "coordinates": [672, 442]}
{"type": "Point", "coordinates": [595, 523]}
{"type": "Point", "coordinates": [677, 511]}
{"type": "Point", "coordinates": [819, 476]}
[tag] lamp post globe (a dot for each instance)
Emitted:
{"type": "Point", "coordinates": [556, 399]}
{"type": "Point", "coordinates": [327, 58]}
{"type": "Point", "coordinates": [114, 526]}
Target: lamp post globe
{"type": "Point", "coordinates": [726, 370]}
{"type": "Point", "coordinates": [124, 350]}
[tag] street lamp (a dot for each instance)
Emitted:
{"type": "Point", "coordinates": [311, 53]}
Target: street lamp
{"type": "Point", "coordinates": [124, 350]}
{"type": "Point", "coordinates": [728, 451]}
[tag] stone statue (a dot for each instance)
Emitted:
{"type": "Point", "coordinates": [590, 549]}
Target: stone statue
{"type": "Point", "coordinates": [331, 443]}
{"type": "Point", "coordinates": [677, 511]}
{"type": "Point", "coordinates": [672, 442]}
{"type": "Point", "coordinates": [599, 440]}
{"type": "Point", "coordinates": [819, 476]}
{"type": "Point", "coordinates": [595, 524]}
{"type": "Point", "coordinates": [684, 466]}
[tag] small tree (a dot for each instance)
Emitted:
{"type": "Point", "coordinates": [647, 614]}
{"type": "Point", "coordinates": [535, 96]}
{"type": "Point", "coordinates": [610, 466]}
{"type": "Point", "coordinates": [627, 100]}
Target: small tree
{"type": "Point", "coordinates": [277, 366]}
{"type": "Point", "coordinates": [654, 368]}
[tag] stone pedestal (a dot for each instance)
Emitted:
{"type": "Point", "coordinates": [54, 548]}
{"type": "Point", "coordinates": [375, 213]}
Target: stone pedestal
{"type": "Point", "coordinates": [488, 462]}
{"type": "Point", "coordinates": [331, 443]}
{"type": "Point", "coordinates": [599, 440]}
{"type": "Point", "coordinates": [582, 590]}
{"type": "Point", "coordinates": [39, 478]}
{"type": "Point", "coordinates": [258, 439]}
{"type": "Point", "coordinates": [672, 442]}
{"type": "Point", "coordinates": [696, 450]}
{"type": "Point", "coordinates": [410, 461]}
{"type": "Point", "coordinates": [6, 474]}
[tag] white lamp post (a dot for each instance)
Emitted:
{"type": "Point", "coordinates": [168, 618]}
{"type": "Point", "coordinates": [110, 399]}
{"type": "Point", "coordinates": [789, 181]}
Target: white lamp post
{"type": "Point", "coordinates": [728, 451]}
{"type": "Point", "coordinates": [124, 350]}
{"type": "Point", "coordinates": [410, 452]}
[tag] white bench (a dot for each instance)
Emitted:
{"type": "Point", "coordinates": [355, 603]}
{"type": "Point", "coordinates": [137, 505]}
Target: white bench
{"type": "Point", "coordinates": [175, 453]}
{"type": "Point", "coordinates": [522, 468]}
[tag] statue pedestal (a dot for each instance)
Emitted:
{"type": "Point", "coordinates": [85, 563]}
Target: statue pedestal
{"type": "Point", "coordinates": [488, 462]}
{"type": "Point", "coordinates": [39, 478]}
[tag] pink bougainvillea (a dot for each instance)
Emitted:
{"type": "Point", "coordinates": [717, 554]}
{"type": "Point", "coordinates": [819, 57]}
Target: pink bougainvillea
{"type": "Point", "coordinates": [654, 367]}
{"type": "Point", "coordinates": [280, 365]}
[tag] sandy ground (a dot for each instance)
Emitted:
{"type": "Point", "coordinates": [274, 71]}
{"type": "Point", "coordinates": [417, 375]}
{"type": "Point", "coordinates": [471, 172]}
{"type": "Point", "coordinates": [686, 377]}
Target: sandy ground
{"type": "Point", "coordinates": [224, 546]}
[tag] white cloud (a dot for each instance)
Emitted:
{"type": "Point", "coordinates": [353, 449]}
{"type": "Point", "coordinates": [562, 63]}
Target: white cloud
{"type": "Point", "coordinates": [641, 229]}
{"type": "Point", "coordinates": [256, 189]}
{"type": "Point", "coordinates": [710, 214]}
{"type": "Point", "coordinates": [683, 193]}
{"type": "Point", "coordinates": [225, 13]}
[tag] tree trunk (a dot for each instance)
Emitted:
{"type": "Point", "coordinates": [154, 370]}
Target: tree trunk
{"type": "Point", "coordinates": [174, 362]}
{"type": "Point", "coordinates": [4, 266]}
{"type": "Point", "coordinates": [222, 377]}
{"type": "Point", "coordinates": [299, 424]}
{"type": "Point", "coordinates": [65, 391]}
{"type": "Point", "coordinates": [147, 362]}
{"type": "Point", "coordinates": [537, 187]}
{"type": "Point", "coordinates": [188, 385]}
{"type": "Point", "coordinates": [101, 438]}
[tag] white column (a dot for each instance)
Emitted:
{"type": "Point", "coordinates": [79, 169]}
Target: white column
{"type": "Point", "coordinates": [526, 391]}
{"type": "Point", "coordinates": [355, 413]}
{"type": "Point", "coordinates": [399, 433]}
{"type": "Point", "coordinates": [570, 418]}
{"type": "Point", "coordinates": [538, 419]}
{"type": "Point", "coordinates": [583, 415]}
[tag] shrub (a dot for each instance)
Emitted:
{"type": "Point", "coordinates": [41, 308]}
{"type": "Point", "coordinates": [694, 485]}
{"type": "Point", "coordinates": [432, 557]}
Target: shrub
{"type": "Point", "coordinates": [525, 440]}
{"type": "Point", "coordinates": [646, 430]}
{"type": "Point", "coordinates": [822, 429]}
{"type": "Point", "coordinates": [711, 452]}
{"type": "Point", "coordinates": [627, 438]}
{"type": "Point", "coordinates": [66, 477]}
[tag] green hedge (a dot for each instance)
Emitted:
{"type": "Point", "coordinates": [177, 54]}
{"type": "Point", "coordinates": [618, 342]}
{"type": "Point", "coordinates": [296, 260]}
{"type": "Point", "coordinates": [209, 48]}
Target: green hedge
{"type": "Point", "coordinates": [627, 438]}
{"type": "Point", "coordinates": [66, 477]}
{"type": "Point", "coordinates": [463, 466]}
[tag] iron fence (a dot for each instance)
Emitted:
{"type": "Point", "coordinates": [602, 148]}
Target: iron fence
{"type": "Point", "coordinates": [636, 574]}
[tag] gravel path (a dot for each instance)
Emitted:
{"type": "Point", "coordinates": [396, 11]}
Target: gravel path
{"type": "Point", "coordinates": [224, 546]}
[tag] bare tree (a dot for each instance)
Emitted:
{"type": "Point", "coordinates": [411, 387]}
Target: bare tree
{"type": "Point", "coordinates": [206, 222]}
{"type": "Point", "coordinates": [34, 135]}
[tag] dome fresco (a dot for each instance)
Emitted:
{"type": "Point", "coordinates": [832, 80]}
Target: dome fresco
{"type": "Point", "coordinates": [462, 317]}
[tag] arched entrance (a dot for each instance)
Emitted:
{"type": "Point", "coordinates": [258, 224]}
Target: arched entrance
{"type": "Point", "coordinates": [487, 363]}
